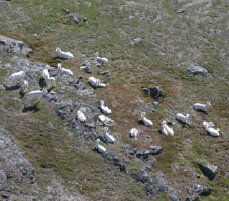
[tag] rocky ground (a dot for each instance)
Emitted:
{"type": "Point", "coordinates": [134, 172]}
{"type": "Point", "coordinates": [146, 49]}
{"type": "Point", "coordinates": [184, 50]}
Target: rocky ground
{"type": "Point", "coordinates": [163, 57]}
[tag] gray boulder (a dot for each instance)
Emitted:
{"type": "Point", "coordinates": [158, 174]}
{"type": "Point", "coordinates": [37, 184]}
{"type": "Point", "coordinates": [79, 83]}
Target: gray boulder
{"type": "Point", "coordinates": [11, 45]}
{"type": "Point", "coordinates": [209, 170]}
{"type": "Point", "coordinates": [156, 149]}
{"type": "Point", "coordinates": [197, 70]}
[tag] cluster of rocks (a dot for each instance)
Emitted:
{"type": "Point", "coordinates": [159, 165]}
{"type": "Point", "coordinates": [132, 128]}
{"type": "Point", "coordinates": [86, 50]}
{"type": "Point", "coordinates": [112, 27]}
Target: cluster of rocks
{"type": "Point", "coordinates": [154, 92]}
{"type": "Point", "coordinates": [155, 183]}
{"type": "Point", "coordinates": [14, 46]}
{"type": "Point", "coordinates": [75, 16]}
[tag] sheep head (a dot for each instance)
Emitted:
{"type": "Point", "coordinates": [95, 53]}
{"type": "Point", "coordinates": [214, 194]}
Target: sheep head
{"type": "Point", "coordinates": [59, 65]}
{"type": "Point", "coordinates": [58, 49]}
{"type": "Point", "coordinates": [83, 109]}
{"type": "Point", "coordinates": [44, 91]}
{"type": "Point", "coordinates": [208, 104]}
{"type": "Point", "coordinates": [105, 129]}
{"type": "Point", "coordinates": [142, 115]}
{"type": "Point", "coordinates": [101, 102]}
{"type": "Point", "coordinates": [97, 141]}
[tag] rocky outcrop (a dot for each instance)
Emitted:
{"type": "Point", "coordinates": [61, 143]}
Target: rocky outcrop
{"type": "Point", "coordinates": [15, 170]}
{"type": "Point", "coordinates": [11, 45]}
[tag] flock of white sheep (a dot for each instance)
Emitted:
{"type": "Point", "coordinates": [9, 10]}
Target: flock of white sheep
{"type": "Point", "coordinates": [94, 82]}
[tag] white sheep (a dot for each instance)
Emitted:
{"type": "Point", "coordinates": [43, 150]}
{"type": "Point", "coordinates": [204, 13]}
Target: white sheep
{"type": "Point", "coordinates": [101, 149]}
{"type": "Point", "coordinates": [64, 55]}
{"type": "Point", "coordinates": [24, 87]}
{"type": "Point", "coordinates": [145, 121]}
{"type": "Point", "coordinates": [166, 130]}
{"type": "Point", "coordinates": [17, 76]}
{"type": "Point", "coordinates": [105, 120]}
{"type": "Point", "coordinates": [64, 70]}
{"type": "Point", "coordinates": [202, 107]}
{"type": "Point", "coordinates": [182, 118]}
{"type": "Point", "coordinates": [94, 82]}
{"type": "Point", "coordinates": [104, 109]}
{"type": "Point", "coordinates": [133, 133]}
{"type": "Point", "coordinates": [35, 95]}
{"type": "Point", "coordinates": [80, 115]}
{"type": "Point", "coordinates": [211, 131]}
{"type": "Point", "coordinates": [109, 138]}
{"type": "Point", "coordinates": [48, 79]}
{"type": "Point", "coordinates": [101, 60]}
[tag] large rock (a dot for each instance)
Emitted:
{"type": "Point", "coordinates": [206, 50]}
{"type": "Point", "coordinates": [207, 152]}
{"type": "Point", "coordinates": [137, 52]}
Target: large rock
{"type": "Point", "coordinates": [197, 70]}
{"type": "Point", "coordinates": [11, 45]}
{"type": "Point", "coordinates": [209, 170]}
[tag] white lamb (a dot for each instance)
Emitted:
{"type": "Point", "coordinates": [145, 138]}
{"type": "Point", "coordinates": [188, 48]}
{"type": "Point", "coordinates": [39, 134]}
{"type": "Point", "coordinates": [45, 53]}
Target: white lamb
{"type": "Point", "coordinates": [80, 115]}
{"type": "Point", "coordinates": [109, 138]}
{"type": "Point", "coordinates": [64, 55]}
{"type": "Point", "coordinates": [105, 120]}
{"type": "Point", "coordinates": [101, 149]}
{"type": "Point", "coordinates": [166, 130]}
{"type": "Point", "coordinates": [202, 107]}
{"type": "Point", "coordinates": [64, 70]}
{"type": "Point", "coordinates": [16, 76]}
{"type": "Point", "coordinates": [145, 121]}
{"type": "Point", "coordinates": [35, 95]}
{"type": "Point", "coordinates": [211, 131]}
{"type": "Point", "coordinates": [104, 109]}
{"type": "Point", "coordinates": [96, 83]}
{"type": "Point", "coordinates": [48, 79]}
{"type": "Point", "coordinates": [24, 87]}
{"type": "Point", "coordinates": [182, 118]}
{"type": "Point", "coordinates": [133, 133]}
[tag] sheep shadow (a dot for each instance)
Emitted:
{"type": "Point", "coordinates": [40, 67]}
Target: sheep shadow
{"type": "Point", "coordinates": [160, 132]}
{"type": "Point", "coordinates": [22, 94]}
{"type": "Point", "coordinates": [33, 108]}
{"type": "Point", "coordinates": [182, 123]}
{"type": "Point", "coordinates": [140, 122]}
{"type": "Point", "coordinates": [42, 83]}
{"type": "Point", "coordinates": [201, 111]}
{"type": "Point", "coordinates": [11, 88]}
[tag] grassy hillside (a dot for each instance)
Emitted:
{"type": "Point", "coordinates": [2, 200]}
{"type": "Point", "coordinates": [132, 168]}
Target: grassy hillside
{"type": "Point", "coordinates": [171, 41]}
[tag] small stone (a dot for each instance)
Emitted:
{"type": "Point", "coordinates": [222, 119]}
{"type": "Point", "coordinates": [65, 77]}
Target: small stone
{"type": "Point", "coordinates": [106, 73]}
{"type": "Point", "coordinates": [181, 10]}
{"type": "Point", "coordinates": [76, 18]}
{"type": "Point", "coordinates": [136, 41]}
{"type": "Point", "coordinates": [66, 11]}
